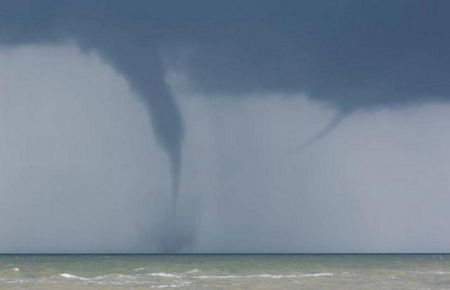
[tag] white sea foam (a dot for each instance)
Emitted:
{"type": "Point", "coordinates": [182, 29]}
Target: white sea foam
{"type": "Point", "coordinates": [19, 281]}
{"type": "Point", "coordinates": [15, 269]}
{"type": "Point", "coordinates": [441, 273]}
{"type": "Point", "coordinates": [115, 279]}
{"type": "Point", "coordinates": [192, 271]}
{"type": "Point", "coordinates": [182, 284]}
{"type": "Point", "coordinates": [434, 273]}
{"type": "Point", "coordinates": [165, 275]}
{"type": "Point", "coordinates": [74, 277]}
{"type": "Point", "coordinates": [317, 275]}
{"type": "Point", "coordinates": [270, 276]}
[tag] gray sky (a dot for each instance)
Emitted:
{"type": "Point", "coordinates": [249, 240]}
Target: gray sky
{"type": "Point", "coordinates": [181, 126]}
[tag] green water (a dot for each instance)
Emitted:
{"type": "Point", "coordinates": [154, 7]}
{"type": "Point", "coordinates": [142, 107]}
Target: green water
{"type": "Point", "coordinates": [225, 272]}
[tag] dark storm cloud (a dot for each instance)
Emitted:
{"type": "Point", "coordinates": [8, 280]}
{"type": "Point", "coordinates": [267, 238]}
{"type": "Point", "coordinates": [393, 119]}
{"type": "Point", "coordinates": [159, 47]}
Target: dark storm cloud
{"type": "Point", "coordinates": [351, 54]}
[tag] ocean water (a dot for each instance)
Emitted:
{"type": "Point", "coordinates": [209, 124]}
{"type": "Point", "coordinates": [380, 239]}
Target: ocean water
{"type": "Point", "coordinates": [225, 271]}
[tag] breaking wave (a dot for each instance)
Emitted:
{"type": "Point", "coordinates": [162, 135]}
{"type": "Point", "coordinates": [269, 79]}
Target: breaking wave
{"type": "Point", "coordinates": [270, 276]}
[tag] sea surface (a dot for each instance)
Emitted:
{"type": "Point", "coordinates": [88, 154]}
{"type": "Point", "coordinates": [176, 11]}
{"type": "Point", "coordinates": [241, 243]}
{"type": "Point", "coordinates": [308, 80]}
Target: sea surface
{"type": "Point", "coordinates": [225, 271]}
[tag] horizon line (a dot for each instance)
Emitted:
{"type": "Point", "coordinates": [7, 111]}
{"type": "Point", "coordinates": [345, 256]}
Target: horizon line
{"type": "Point", "coordinates": [227, 254]}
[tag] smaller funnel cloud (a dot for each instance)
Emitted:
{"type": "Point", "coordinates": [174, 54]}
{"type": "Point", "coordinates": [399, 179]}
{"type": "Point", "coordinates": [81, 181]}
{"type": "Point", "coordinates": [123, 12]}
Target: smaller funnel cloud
{"type": "Point", "coordinates": [333, 124]}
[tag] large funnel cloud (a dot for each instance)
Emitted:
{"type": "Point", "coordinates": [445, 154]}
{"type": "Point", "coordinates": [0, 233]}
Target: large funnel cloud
{"type": "Point", "coordinates": [147, 78]}
{"type": "Point", "coordinates": [133, 51]}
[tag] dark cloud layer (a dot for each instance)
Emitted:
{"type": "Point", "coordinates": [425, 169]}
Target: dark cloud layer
{"type": "Point", "coordinates": [350, 54]}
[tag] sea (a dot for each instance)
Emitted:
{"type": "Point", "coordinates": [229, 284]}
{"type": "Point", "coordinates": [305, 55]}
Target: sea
{"type": "Point", "coordinates": [406, 271]}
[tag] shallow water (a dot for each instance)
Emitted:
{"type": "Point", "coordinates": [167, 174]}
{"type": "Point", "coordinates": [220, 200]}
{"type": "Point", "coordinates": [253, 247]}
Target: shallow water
{"type": "Point", "coordinates": [225, 271]}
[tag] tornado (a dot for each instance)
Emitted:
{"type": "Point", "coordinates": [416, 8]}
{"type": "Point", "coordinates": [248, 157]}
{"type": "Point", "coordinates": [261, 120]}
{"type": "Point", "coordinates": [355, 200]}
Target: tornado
{"type": "Point", "coordinates": [141, 65]}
